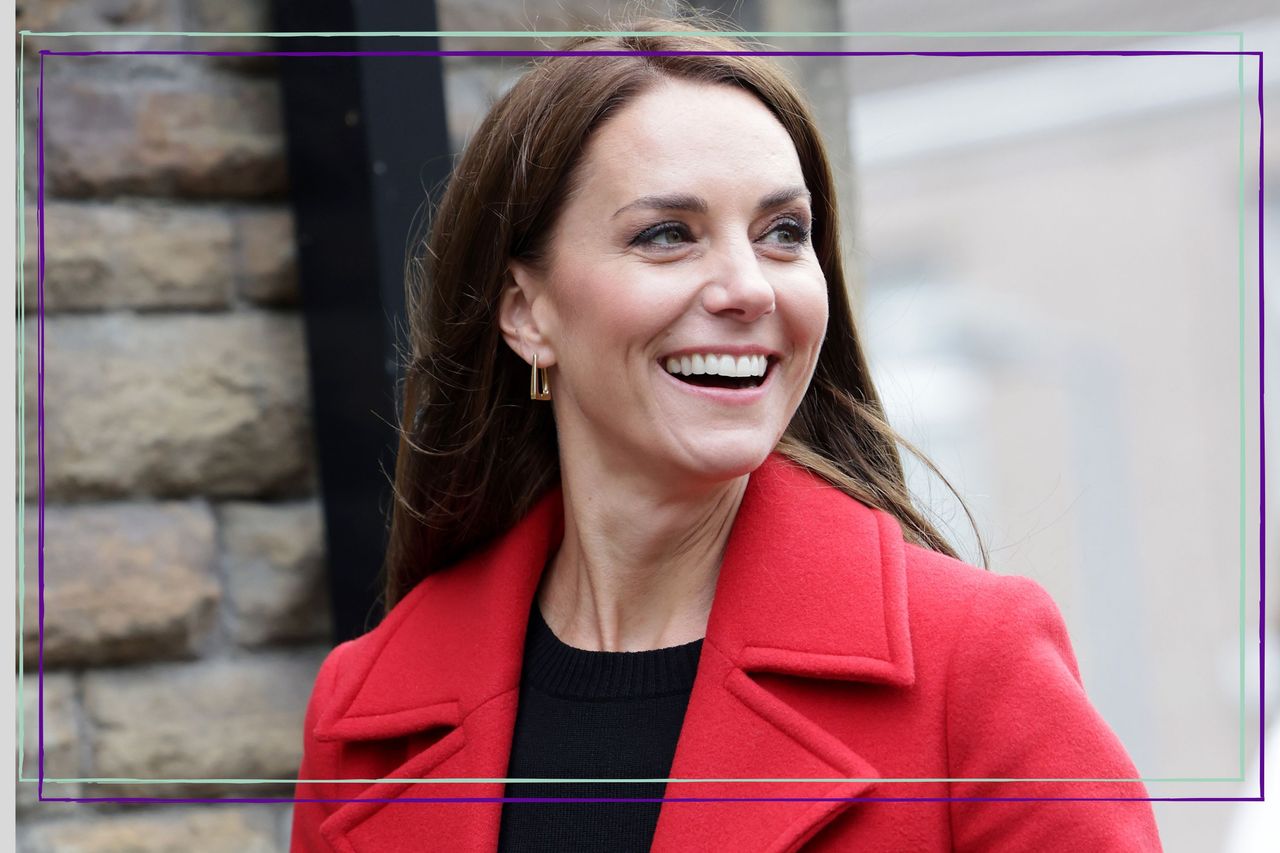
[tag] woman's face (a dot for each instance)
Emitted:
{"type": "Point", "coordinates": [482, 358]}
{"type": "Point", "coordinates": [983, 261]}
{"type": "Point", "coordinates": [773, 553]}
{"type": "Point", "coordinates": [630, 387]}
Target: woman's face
{"type": "Point", "coordinates": [686, 243]}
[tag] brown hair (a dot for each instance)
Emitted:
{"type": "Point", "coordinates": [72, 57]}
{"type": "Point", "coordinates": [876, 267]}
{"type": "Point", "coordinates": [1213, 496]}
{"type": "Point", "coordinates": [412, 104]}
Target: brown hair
{"type": "Point", "coordinates": [475, 453]}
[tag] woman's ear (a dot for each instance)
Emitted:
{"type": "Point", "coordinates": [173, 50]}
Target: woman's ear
{"type": "Point", "coordinates": [516, 316]}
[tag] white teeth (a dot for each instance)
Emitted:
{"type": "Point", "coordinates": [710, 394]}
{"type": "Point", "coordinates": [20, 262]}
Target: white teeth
{"type": "Point", "coordinates": [718, 365]}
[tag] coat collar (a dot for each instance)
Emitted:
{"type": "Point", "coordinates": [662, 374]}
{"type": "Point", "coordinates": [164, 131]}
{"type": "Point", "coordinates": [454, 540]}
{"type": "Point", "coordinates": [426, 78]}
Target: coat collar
{"type": "Point", "coordinates": [812, 584]}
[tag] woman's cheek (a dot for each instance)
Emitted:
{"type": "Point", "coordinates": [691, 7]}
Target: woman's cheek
{"type": "Point", "coordinates": [808, 304]}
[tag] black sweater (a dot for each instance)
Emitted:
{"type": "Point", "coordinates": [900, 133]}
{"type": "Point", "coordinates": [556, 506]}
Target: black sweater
{"type": "Point", "coordinates": [593, 715]}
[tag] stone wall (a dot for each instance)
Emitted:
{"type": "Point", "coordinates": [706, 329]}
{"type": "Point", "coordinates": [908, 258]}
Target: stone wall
{"type": "Point", "coordinates": [184, 569]}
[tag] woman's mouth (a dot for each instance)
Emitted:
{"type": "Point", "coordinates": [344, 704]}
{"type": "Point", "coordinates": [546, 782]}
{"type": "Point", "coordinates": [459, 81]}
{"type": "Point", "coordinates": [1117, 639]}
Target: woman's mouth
{"type": "Point", "coordinates": [721, 374]}
{"type": "Point", "coordinates": [711, 381]}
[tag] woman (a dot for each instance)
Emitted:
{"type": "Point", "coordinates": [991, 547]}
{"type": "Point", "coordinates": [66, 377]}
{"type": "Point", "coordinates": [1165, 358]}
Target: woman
{"type": "Point", "coordinates": [689, 552]}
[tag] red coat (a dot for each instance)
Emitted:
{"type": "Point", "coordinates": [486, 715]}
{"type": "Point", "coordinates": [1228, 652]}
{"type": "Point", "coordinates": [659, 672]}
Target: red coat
{"type": "Point", "coordinates": [835, 652]}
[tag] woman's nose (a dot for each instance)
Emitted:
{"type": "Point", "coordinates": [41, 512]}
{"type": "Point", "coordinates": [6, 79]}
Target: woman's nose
{"type": "Point", "coordinates": [737, 285]}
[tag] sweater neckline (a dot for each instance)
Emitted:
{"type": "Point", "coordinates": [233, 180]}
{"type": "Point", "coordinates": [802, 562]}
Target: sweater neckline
{"type": "Point", "coordinates": [557, 668]}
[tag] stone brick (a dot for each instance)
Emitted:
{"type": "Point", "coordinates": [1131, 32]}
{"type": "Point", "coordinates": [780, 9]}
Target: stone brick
{"type": "Point", "coordinates": [216, 137]}
{"type": "Point", "coordinates": [173, 406]}
{"type": "Point", "coordinates": [268, 256]}
{"type": "Point", "coordinates": [122, 255]}
{"type": "Point", "coordinates": [273, 559]}
{"type": "Point", "coordinates": [122, 582]}
{"type": "Point", "coordinates": [26, 469]}
{"type": "Point", "coordinates": [103, 15]}
{"type": "Point", "coordinates": [234, 16]}
{"type": "Point", "coordinates": [30, 244]}
{"type": "Point", "coordinates": [61, 740]}
{"type": "Point", "coordinates": [28, 165]}
{"type": "Point", "coordinates": [220, 829]}
{"type": "Point", "coordinates": [222, 719]}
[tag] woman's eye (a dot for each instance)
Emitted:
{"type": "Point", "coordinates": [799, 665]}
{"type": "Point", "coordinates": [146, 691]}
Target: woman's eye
{"type": "Point", "coordinates": [786, 232]}
{"type": "Point", "coordinates": [790, 232]}
{"type": "Point", "coordinates": [666, 235]}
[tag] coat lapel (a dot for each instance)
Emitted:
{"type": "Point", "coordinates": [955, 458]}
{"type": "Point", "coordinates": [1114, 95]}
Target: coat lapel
{"type": "Point", "coordinates": [443, 672]}
{"type": "Point", "coordinates": [812, 585]}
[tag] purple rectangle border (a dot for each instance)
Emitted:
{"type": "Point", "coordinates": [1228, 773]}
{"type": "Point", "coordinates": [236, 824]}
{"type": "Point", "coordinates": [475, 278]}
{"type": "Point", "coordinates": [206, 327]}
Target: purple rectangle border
{"type": "Point", "coordinates": [1262, 541]}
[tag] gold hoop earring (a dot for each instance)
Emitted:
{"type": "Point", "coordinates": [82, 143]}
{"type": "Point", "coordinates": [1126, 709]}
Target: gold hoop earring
{"type": "Point", "coordinates": [539, 382]}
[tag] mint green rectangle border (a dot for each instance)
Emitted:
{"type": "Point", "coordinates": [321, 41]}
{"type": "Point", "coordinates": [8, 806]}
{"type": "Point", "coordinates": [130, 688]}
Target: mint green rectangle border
{"type": "Point", "coordinates": [21, 219]}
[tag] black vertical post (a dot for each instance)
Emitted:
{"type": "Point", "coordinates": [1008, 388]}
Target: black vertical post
{"type": "Point", "coordinates": [367, 137]}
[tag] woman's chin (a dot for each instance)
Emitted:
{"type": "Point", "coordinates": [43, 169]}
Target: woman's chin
{"type": "Point", "coordinates": [726, 460]}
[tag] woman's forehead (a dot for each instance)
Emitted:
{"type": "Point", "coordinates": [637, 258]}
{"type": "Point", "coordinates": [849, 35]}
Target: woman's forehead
{"type": "Point", "coordinates": [682, 133]}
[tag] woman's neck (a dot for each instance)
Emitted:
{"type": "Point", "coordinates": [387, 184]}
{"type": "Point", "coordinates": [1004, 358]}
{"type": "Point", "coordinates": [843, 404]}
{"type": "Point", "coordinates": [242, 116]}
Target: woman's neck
{"type": "Point", "coordinates": [636, 570]}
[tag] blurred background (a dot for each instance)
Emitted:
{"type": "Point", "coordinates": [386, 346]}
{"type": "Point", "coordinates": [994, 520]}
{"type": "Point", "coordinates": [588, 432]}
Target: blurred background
{"type": "Point", "coordinates": [1044, 251]}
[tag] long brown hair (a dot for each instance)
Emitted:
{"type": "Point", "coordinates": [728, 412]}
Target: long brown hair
{"type": "Point", "coordinates": [475, 453]}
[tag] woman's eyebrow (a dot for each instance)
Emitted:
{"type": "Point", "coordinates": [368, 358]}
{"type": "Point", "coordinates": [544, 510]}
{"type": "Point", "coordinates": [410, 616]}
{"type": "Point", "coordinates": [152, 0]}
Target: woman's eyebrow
{"type": "Point", "coordinates": [674, 201]}
{"type": "Point", "coordinates": [696, 204]}
{"type": "Point", "coordinates": [783, 196]}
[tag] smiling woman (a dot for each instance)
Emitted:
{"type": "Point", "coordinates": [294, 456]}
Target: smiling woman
{"type": "Point", "coordinates": [693, 242]}
{"type": "Point", "coordinates": [686, 567]}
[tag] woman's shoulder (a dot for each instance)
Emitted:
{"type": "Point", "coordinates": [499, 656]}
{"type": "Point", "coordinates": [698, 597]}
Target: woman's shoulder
{"type": "Point", "coordinates": [955, 604]}
{"type": "Point", "coordinates": [939, 583]}
{"type": "Point", "coordinates": [1017, 719]}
